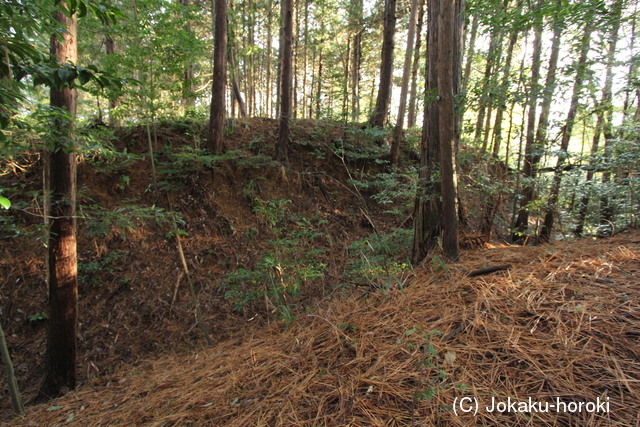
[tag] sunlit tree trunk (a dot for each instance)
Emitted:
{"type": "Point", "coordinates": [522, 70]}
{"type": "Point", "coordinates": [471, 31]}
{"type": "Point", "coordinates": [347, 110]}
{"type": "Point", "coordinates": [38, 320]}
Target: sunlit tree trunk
{"type": "Point", "coordinates": [603, 124]}
{"type": "Point", "coordinates": [318, 95]}
{"type": "Point", "coordinates": [356, 23]}
{"type": "Point", "coordinates": [566, 131]}
{"type": "Point", "coordinates": [110, 47]}
{"type": "Point", "coordinates": [495, 44]}
{"type": "Point", "coordinates": [250, 76]}
{"type": "Point", "coordinates": [471, 53]}
{"type": "Point", "coordinates": [495, 168]}
{"type": "Point", "coordinates": [406, 74]}
{"type": "Point", "coordinates": [345, 82]}
{"type": "Point", "coordinates": [504, 87]}
{"type": "Point", "coordinates": [413, 96]}
{"type": "Point", "coordinates": [528, 171]}
{"type": "Point", "coordinates": [545, 108]}
{"type": "Point", "coordinates": [355, 77]}
{"type": "Point", "coordinates": [606, 206]}
{"type": "Point", "coordinates": [631, 75]}
{"type": "Point", "coordinates": [269, 60]}
{"type": "Point", "coordinates": [236, 93]}
{"type": "Point", "coordinates": [381, 110]}
{"type": "Point", "coordinates": [295, 60]}
{"type": "Point", "coordinates": [60, 370]}
{"type": "Point", "coordinates": [188, 90]}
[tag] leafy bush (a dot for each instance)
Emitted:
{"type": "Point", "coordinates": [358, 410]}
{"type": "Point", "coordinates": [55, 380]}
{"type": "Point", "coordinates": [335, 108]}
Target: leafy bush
{"type": "Point", "coordinates": [126, 219]}
{"type": "Point", "coordinates": [286, 267]}
{"type": "Point", "coordinates": [381, 261]}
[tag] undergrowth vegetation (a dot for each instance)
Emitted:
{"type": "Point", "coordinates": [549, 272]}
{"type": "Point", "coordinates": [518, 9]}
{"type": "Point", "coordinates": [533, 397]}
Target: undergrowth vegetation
{"type": "Point", "coordinates": [293, 245]}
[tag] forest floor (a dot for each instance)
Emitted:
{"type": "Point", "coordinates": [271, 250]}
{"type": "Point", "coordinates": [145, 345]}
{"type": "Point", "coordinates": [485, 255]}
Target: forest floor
{"type": "Point", "coordinates": [316, 316]}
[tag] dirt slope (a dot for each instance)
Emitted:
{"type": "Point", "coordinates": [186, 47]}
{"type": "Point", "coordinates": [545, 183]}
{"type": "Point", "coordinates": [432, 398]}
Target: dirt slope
{"type": "Point", "coordinates": [134, 301]}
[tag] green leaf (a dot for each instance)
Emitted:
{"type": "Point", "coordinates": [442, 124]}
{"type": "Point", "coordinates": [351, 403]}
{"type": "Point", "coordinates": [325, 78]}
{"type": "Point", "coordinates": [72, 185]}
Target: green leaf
{"type": "Point", "coordinates": [82, 9]}
{"type": "Point", "coordinates": [4, 202]}
{"type": "Point", "coordinates": [84, 76]}
{"type": "Point", "coordinates": [64, 75]}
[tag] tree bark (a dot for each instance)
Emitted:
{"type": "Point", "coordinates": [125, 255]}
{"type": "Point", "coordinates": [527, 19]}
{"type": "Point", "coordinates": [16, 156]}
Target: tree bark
{"type": "Point", "coordinates": [504, 87]}
{"type": "Point", "coordinates": [406, 74]}
{"type": "Point", "coordinates": [282, 146]}
{"type": "Point", "coordinates": [485, 101]}
{"type": "Point", "coordinates": [447, 126]}
{"type": "Point", "coordinates": [318, 95]}
{"type": "Point", "coordinates": [603, 123]}
{"type": "Point", "coordinates": [528, 170]}
{"type": "Point", "coordinates": [346, 58]}
{"type": "Point", "coordinates": [471, 53]}
{"type": "Point", "coordinates": [428, 209]}
{"type": "Point", "coordinates": [381, 110]}
{"type": "Point", "coordinates": [110, 46]}
{"type": "Point", "coordinates": [566, 131]}
{"type": "Point", "coordinates": [413, 98]}
{"type": "Point", "coordinates": [233, 68]}
{"type": "Point", "coordinates": [355, 76]}
{"type": "Point", "coordinates": [606, 207]}
{"type": "Point", "coordinates": [60, 374]}
{"type": "Point", "coordinates": [217, 110]}
{"type": "Point", "coordinates": [357, 26]}
{"type": "Point", "coordinates": [188, 90]}
{"type": "Point", "coordinates": [14, 392]}
{"type": "Point", "coordinates": [549, 89]}
{"type": "Point", "coordinates": [269, 88]}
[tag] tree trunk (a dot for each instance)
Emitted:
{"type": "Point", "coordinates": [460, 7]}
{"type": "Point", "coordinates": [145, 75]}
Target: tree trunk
{"type": "Point", "coordinates": [411, 114]}
{"type": "Point", "coordinates": [397, 134]}
{"type": "Point", "coordinates": [606, 206]}
{"type": "Point", "coordinates": [110, 46]}
{"type": "Point", "coordinates": [217, 110]}
{"type": "Point", "coordinates": [282, 146]}
{"type": "Point", "coordinates": [294, 59]}
{"type": "Point", "coordinates": [357, 26]}
{"type": "Point", "coordinates": [269, 59]}
{"type": "Point", "coordinates": [305, 97]}
{"type": "Point", "coordinates": [447, 90]}
{"type": "Point", "coordinates": [237, 94]}
{"type": "Point", "coordinates": [471, 53]}
{"type": "Point", "coordinates": [631, 74]}
{"type": "Point", "coordinates": [504, 87]}
{"type": "Point", "coordinates": [528, 171]}
{"type": "Point", "coordinates": [603, 124]}
{"type": "Point", "coordinates": [346, 58]}
{"type": "Point", "coordinates": [318, 96]}
{"type": "Point", "coordinates": [60, 374]}
{"type": "Point", "coordinates": [495, 44]}
{"type": "Point", "coordinates": [355, 76]}
{"type": "Point", "coordinates": [428, 209]}
{"type": "Point", "coordinates": [12, 384]}
{"type": "Point", "coordinates": [188, 90]}
{"type": "Point", "coordinates": [250, 77]}
{"type": "Point", "coordinates": [280, 58]}
{"type": "Point", "coordinates": [381, 110]}
{"type": "Point", "coordinates": [549, 89]}
{"type": "Point", "coordinates": [567, 129]}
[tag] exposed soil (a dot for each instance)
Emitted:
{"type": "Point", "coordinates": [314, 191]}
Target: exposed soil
{"type": "Point", "coordinates": [562, 322]}
{"type": "Point", "coordinates": [134, 302]}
